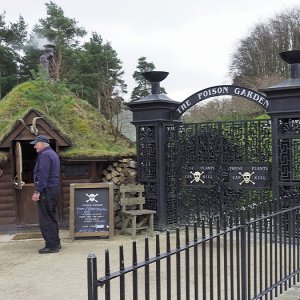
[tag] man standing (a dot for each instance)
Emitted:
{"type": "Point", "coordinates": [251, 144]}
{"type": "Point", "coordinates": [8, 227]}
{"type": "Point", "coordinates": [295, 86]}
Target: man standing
{"type": "Point", "coordinates": [46, 181]}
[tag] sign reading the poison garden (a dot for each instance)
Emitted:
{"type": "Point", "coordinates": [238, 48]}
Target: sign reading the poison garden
{"type": "Point", "coordinates": [91, 209]}
{"type": "Point", "coordinates": [221, 90]}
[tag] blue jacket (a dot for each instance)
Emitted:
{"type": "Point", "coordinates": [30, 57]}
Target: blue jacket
{"type": "Point", "coordinates": [46, 169]}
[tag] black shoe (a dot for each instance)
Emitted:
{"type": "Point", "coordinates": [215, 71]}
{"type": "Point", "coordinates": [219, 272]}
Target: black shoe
{"type": "Point", "coordinates": [59, 246]}
{"type": "Point", "coordinates": [46, 250]}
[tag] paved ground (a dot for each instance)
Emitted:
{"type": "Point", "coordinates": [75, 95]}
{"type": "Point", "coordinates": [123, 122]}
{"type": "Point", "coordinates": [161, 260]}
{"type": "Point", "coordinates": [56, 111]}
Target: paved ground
{"type": "Point", "coordinates": [292, 294]}
{"type": "Point", "coordinates": [25, 274]}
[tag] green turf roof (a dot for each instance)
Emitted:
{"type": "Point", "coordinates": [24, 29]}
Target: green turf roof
{"type": "Point", "coordinates": [74, 118]}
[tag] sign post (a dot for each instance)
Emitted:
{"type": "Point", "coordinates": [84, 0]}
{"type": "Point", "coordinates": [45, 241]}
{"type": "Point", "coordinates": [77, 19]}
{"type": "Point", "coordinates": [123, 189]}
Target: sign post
{"type": "Point", "coordinates": [91, 210]}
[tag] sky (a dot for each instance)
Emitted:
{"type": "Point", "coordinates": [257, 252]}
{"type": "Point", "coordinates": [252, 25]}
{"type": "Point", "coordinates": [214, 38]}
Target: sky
{"type": "Point", "coordinates": [193, 40]}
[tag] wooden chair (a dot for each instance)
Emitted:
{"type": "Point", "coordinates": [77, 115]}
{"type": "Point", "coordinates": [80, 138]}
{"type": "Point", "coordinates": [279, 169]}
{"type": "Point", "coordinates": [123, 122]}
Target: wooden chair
{"type": "Point", "coordinates": [134, 216]}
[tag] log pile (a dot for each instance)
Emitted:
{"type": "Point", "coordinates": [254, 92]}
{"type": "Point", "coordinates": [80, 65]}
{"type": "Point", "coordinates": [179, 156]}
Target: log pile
{"type": "Point", "coordinates": [120, 172]}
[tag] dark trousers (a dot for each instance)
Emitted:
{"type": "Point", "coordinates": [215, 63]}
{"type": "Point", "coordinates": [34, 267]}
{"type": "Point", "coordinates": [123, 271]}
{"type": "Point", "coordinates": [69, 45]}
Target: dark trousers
{"type": "Point", "coordinates": [47, 216]}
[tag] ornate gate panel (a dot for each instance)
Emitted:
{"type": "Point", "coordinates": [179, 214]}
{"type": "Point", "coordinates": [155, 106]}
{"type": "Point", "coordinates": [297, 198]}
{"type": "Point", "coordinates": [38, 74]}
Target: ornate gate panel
{"type": "Point", "coordinates": [147, 158]}
{"type": "Point", "coordinates": [288, 149]}
{"type": "Point", "coordinates": [212, 168]}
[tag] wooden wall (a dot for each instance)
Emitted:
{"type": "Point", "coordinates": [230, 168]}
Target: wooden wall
{"type": "Point", "coordinates": [77, 172]}
{"type": "Point", "coordinates": [8, 207]}
{"type": "Point", "coordinates": [71, 172]}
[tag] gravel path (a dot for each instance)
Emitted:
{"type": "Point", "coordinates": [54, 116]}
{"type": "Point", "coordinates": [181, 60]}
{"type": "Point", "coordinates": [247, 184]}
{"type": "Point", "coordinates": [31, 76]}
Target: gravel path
{"type": "Point", "coordinates": [25, 274]}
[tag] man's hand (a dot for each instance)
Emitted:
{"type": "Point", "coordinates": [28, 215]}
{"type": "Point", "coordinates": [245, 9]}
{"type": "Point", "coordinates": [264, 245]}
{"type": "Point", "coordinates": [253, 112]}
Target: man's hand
{"type": "Point", "coordinates": [36, 196]}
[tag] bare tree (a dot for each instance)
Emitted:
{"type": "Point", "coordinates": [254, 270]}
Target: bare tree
{"type": "Point", "coordinates": [210, 110]}
{"type": "Point", "coordinates": [109, 101]}
{"type": "Point", "coordinates": [256, 59]}
{"type": "Point", "coordinates": [222, 109]}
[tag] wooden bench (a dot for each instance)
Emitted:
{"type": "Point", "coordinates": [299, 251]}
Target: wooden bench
{"type": "Point", "coordinates": [134, 216]}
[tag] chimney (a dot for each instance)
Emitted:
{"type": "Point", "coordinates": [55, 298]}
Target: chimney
{"type": "Point", "coordinates": [47, 56]}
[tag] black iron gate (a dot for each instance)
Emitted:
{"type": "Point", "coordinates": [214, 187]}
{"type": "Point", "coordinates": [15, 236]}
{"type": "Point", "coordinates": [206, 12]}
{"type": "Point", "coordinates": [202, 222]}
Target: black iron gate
{"type": "Point", "coordinates": [212, 168]}
{"type": "Point", "coordinates": [190, 171]}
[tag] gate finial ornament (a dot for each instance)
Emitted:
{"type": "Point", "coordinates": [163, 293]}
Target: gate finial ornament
{"type": "Point", "coordinates": [155, 77]}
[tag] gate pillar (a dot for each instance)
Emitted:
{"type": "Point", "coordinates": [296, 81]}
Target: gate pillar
{"type": "Point", "coordinates": [150, 116]}
{"type": "Point", "coordinates": [284, 109]}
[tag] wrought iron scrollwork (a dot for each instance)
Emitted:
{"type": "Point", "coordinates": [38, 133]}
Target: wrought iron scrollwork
{"type": "Point", "coordinates": [198, 157]}
{"type": "Point", "coordinates": [147, 157]}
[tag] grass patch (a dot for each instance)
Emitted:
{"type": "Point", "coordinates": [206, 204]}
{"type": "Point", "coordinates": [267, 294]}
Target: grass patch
{"type": "Point", "coordinates": [74, 118]}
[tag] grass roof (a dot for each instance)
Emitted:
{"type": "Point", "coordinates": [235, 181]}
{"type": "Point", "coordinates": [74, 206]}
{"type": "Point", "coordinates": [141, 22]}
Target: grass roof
{"type": "Point", "coordinates": [75, 119]}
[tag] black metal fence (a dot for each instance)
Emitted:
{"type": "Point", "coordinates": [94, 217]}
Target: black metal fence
{"type": "Point", "coordinates": [252, 253]}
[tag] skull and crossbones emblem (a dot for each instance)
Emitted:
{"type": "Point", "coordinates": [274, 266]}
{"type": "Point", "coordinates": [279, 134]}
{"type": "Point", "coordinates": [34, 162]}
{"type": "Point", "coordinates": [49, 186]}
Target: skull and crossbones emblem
{"type": "Point", "coordinates": [92, 198]}
{"type": "Point", "coordinates": [247, 177]}
{"type": "Point", "coordinates": [197, 176]}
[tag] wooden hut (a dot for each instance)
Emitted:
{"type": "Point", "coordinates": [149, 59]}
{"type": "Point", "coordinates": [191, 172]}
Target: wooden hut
{"type": "Point", "coordinates": [77, 132]}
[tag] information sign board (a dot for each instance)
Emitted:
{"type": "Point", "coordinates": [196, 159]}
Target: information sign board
{"type": "Point", "coordinates": [91, 209]}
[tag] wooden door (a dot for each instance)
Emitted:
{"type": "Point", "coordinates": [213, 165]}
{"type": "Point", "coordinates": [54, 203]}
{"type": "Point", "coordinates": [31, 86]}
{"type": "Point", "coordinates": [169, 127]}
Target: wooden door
{"type": "Point", "coordinates": [27, 209]}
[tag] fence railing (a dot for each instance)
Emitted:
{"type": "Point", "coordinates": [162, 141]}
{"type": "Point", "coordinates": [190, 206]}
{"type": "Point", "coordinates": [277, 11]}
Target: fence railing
{"type": "Point", "coordinates": [251, 253]}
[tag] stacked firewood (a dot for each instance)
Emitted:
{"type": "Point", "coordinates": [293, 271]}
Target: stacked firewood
{"type": "Point", "coordinates": [120, 172]}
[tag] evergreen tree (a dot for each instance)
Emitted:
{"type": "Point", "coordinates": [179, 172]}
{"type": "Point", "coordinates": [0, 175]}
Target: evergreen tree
{"type": "Point", "coordinates": [100, 73]}
{"type": "Point", "coordinates": [92, 70]}
{"type": "Point", "coordinates": [143, 87]}
{"type": "Point", "coordinates": [64, 33]}
{"type": "Point", "coordinates": [12, 37]}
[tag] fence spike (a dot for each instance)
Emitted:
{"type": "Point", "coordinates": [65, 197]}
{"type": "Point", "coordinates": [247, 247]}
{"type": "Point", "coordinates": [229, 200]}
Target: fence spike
{"type": "Point", "coordinates": [122, 277]}
{"type": "Point", "coordinates": [147, 276]}
{"type": "Point", "coordinates": [92, 276]}
{"type": "Point", "coordinates": [178, 265]}
{"type": "Point", "coordinates": [107, 273]}
{"type": "Point", "coordinates": [187, 236]}
{"type": "Point", "coordinates": [134, 272]}
{"type": "Point", "coordinates": [195, 232]}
